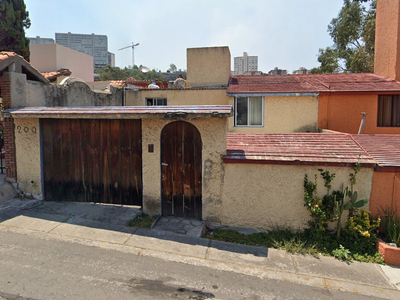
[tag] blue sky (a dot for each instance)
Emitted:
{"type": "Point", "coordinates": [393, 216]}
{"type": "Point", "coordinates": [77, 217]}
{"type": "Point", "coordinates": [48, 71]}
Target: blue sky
{"type": "Point", "coordinates": [283, 33]}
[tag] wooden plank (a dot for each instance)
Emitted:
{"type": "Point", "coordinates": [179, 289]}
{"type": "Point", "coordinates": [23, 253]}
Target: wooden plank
{"type": "Point", "coordinates": [188, 170]}
{"type": "Point", "coordinates": [177, 185]}
{"type": "Point", "coordinates": [136, 193]}
{"type": "Point", "coordinates": [126, 162]}
{"type": "Point", "coordinates": [76, 163]}
{"type": "Point", "coordinates": [114, 162]}
{"type": "Point", "coordinates": [86, 161]}
{"type": "Point", "coordinates": [96, 186]}
{"type": "Point", "coordinates": [67, 149]}
{"type": "Point", "coordinates": [104, 160]}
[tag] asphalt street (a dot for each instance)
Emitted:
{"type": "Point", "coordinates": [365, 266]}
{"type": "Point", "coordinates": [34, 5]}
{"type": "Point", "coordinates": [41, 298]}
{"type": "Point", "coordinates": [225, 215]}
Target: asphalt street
{"type": "Point", "coordinates": [33, 267]}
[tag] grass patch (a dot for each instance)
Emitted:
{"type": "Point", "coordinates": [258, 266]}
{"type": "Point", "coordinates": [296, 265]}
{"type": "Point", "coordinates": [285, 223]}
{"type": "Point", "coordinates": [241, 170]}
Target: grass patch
{"type": "Point", "coordinates": [309, 241]}
{"type": "Point", "coordinates": [142, 221]}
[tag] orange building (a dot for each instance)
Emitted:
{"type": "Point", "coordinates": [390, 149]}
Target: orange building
{"type": "Point", "coordinates": [385, 150]}
{"type": "Point", "coordinates": [352, 95]}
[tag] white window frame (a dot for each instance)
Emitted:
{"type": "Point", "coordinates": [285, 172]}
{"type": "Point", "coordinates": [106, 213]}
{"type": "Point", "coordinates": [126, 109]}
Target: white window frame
{"type": "Point", "coordinates": [154, 101]}
{"type": "Point", "coordinates": [248, 112]}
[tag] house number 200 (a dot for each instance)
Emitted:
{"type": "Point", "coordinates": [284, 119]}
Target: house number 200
{"type": "Point", "coordinates": [26, 129]}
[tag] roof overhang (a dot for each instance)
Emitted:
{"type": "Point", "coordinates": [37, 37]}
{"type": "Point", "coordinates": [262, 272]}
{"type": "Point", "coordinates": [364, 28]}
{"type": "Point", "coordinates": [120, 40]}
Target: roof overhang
{"type": "Point", "coordinates": [122, 112]}
{"type": "Point", "coordinates": [295, 162]}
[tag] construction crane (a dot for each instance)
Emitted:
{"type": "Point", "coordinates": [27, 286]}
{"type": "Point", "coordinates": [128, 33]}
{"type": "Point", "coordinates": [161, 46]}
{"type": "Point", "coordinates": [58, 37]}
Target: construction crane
{"type": "Point", "coordinates": [133, 51]}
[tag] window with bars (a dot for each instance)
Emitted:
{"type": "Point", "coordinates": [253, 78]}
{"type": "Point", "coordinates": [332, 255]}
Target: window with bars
{"type": "Point", "coordinates": [389, 111]}
{"type": "Point", "coordinates": [156, 102]}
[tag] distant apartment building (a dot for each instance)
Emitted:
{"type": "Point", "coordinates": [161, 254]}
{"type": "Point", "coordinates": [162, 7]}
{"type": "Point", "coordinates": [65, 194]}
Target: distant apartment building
{"type": "Point", "coordinates": [111, 59]}
{"type": "Point", "coordinates": [277, 71]}
{"type": "Point", "coordinates": [301, 70]}
{"type": "Point", "coordinates": [91, 44]}
{"type": "Point", "coordinates": [38, 40]}
{"type": "Point", "coordinates": [245, 65]}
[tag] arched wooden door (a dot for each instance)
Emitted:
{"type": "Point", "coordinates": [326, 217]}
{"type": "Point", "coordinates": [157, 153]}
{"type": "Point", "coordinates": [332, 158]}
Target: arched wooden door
{"type": "Point", "coordinates": [181, 162]}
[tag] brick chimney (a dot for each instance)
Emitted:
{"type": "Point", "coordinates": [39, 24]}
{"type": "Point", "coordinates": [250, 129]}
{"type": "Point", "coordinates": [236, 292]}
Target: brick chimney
{"type": "Point", "coordinates": [387, 39]}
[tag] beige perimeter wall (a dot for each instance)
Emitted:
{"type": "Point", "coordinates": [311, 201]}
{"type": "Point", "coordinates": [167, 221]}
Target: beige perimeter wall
{"type": "Point", "coordinates": [253, 195]}
{"type": "Point", "coordinates": [179, 97]}
{"type": "Point", "coordinates": [263, 196]}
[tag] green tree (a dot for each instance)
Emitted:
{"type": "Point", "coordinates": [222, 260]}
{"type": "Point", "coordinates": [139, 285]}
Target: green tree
{"type": "Point", "coordinates": [14, 20]}
{"type": "Point", "coordinates": [172, 68]}
{"type": "Point", "coordinates": [110, 73]}
{"type": "Point", "coordinates": [353, 35]}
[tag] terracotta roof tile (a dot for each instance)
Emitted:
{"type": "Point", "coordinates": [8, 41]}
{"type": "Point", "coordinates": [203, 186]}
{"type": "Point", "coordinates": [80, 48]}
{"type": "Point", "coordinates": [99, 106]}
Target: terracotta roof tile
{"type": "Point", "coordinates": [13, 57]}
{"type": "Point", "coordinates": [5, 55]}
{"type": "Point", "coordinates": [384, 148]}
{"type": "Point", "coordinates": [52, 76]}
{"type": "Point", "coordinates": [296, 148]}
{"type": "Point", "coordinates": [117, 83]}
{"type": "Point", "coordinates": [312, 83]}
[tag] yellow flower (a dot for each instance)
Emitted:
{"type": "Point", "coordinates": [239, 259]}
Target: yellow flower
{"type": "Point", "coordinates": [316, 205]}
{"type": "Point", "coordinates": [366, 234]}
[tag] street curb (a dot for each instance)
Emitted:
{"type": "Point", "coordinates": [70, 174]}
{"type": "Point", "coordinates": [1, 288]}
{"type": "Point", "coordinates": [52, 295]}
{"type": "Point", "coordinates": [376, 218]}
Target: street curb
{"type": "Point", "coordinates": [236, 266]}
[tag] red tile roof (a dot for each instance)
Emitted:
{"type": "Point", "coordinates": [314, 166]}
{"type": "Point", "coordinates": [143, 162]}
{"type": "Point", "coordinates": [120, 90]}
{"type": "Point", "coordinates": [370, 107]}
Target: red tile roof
{"type": "Point", "coordinates": [10, 58]}
{"type": "Point", "coordinates": [117, 83]}
{"type": "Point", "coordinates": [312, 83]}
{"type": "Point", "coordinates": [52, 76]}
{"type": "Point", "coordinates": [296, 148]}
{"type": "Point", "coordinates": [384, 148]}
{"type": "Point", "coordinates": [6, 55]}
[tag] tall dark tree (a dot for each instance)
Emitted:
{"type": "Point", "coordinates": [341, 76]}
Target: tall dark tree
{"type": "Point", "coordinates": [14, 20]}
{"type": "Point", "coordinates": [353, 35]}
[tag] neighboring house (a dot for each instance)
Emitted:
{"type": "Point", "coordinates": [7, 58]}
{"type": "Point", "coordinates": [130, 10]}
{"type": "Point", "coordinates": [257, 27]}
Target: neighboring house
{"type": "Point", "coordinates": [385, 149]}
{"type": "Point", "coordinates": [53, 57]}
{"type": "Point", "coordinates": [311, 102]}
{"type": "Point", "coordinates": [14, 72]}
{"type": "Point", "coordinates": [277, 71]}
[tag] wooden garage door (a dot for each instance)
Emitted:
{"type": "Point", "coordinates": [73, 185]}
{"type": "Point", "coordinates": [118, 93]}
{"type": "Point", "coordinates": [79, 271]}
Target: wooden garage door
{"type": "Point", "coordinates": [92, 160]}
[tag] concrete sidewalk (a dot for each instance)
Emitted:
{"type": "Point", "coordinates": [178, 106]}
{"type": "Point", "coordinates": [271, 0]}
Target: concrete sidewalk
{"type": "Point", "coordinates": [104, 226]}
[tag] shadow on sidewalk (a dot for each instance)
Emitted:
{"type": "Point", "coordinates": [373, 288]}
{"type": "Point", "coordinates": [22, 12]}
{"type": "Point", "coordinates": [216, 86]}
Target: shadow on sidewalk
{"type": "Point", "coordinates": [100, 216]}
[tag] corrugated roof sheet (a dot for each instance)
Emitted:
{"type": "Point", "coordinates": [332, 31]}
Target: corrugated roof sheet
{"type": "Point", "coordinates": [296, 148]}
{"type": "Point", "coordinates": [312, 83]}
{"type": "Point", "coordinates": [384, 148]}
{"type": "Point", "coordinates": [111, 112]}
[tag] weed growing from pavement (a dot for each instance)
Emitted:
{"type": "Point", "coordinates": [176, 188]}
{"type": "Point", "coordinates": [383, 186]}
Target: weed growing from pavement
{"type": "Point", "coordinates": [142, 221]}
{"type": "Point", "coordinates": [311, 241]}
